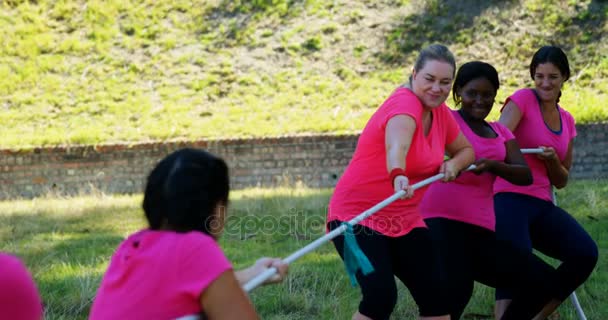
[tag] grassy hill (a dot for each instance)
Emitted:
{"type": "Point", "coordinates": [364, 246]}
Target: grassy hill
{"type": "Point", "coordinates": [74, 72]}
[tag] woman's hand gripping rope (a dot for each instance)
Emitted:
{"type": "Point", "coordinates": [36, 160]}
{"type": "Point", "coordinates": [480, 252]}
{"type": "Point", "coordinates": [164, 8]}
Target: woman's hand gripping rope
{"type": "Point", "coordinates": [402, 192]}
{"type": "Point", "coordinates": [262, 277]}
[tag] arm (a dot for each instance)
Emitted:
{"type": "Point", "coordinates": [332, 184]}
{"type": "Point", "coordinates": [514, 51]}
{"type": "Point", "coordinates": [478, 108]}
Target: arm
{"type": "Point", "coordinates": [510, 116]}
{"type": "Point", "coordinates": [556, 170]}
{"type": "Point", "coordinates": [514, 169]}
{"type": "Point", "coordinates": [224, 299]}
{"type": "Point", "coordinates": [245, 275]}
{"type": "Point", "coordinates": [461, 157]}
{"type": "Point", "coordinates": [398, 138]}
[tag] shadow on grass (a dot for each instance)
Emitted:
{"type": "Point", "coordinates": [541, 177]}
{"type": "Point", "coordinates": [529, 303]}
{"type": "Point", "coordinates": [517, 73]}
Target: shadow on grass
{"type": "Point", "coordinates": [68, 254]}
{"type": "Point", "coordinates": [45, 227]}
{"type": "Point", "coordinates": [69, 283]}
{"type": "Point", "coordinates": [317, 288]}
{"type": "Point", "coordinates": [588, 22]}
{"type": "Point", "coordinates": [455, 22]}
{"type": "Point", "coordinates": [233, 20]}
{"type": "Point", "coordinates": [440, 21]}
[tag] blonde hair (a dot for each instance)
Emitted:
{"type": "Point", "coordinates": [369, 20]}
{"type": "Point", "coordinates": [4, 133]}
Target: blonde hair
{"type": "Point", "coordinates": [436, 52]}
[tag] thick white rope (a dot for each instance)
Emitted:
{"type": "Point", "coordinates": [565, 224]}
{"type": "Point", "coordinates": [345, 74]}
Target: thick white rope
{"type": "Point", "coordinates": [267, 274]}
{"type": "Point", "coordinates": [531, 151]}
{"type": "Point", "coordinates": [260, 278]}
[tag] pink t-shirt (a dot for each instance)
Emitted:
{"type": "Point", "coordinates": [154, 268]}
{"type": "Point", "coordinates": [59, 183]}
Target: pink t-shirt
{"type": "Point", "coordinates": [158, 275]}
{"type": "Point", "coordinates": [469, 198]}
{"type": "Point", "coordinates": [366, 181]}
{"type": "Point", "coordinates": [532, 132]}
{"type": "Point", "coordinates": [19, 298]}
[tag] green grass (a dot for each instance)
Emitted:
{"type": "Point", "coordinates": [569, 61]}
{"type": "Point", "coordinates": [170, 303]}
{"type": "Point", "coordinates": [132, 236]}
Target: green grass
{"type": "Point", "coordinates": [67, 243]}
{"type": "Point", "coordinates": [87, 72]}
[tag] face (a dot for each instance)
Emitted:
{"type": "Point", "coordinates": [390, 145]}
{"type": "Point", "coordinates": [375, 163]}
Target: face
{"type": "Point", "coordinates": [433, 82]}
{"type": "Point", "coordinates": [548, 81]}
{"type": "Point", "coordinates": [477, 98]}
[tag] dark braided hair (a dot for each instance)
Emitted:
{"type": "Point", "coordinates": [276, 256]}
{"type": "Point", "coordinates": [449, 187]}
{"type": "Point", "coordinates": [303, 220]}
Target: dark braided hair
{"type": "Point", "coordinates": [555, 56]}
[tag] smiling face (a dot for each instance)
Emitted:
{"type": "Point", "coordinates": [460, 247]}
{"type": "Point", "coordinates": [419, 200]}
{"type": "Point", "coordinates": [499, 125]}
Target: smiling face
{"type": "Point", "coordinates": [432, 83]}
{"type": "Point", "coordinates": [477, 97]}
{"type": "Point", "coordinates": [548, 81]}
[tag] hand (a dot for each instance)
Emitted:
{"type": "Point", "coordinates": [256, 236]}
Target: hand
{"type": "Point", "coordinates": [266, 263]}
{"type": "Point", "coordinates": [482, 165]}
{"type": "Point", "coordinates": [448, 168]}
{"type": "Point", "coordinates": [548, 154]}
{"type": "Point", "coordinates": [403, 183]}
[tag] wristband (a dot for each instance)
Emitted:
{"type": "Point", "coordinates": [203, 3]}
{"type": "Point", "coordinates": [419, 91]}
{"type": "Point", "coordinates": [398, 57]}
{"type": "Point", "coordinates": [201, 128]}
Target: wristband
{"type": "Point", "coordinates": [396, 172]}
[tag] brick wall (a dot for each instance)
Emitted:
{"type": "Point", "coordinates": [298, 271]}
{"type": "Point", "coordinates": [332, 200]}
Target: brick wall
{"type": "Point", "coordinates": [315, 160]}
{"type": "Point", "coordinates": [591, 151]}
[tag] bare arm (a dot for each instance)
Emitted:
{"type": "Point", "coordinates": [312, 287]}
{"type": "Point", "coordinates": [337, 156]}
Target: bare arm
{"type": "Point", "coordinates": [245, 275]}
{"type": "Point", "coordinates": [514, 169]}
{"type": "Point", "coordinates": [224, 299]}
{"type": "Point", "coordinates": [398, 138]}
{"type": "Point", "coordinates": [557, 170]}
{"type": "Point", "coordinates": [510, 116]}
{"type": "Point", "coordinates": [461, 157]}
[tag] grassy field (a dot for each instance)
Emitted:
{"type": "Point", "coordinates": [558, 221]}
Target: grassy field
{"type": "Point", "coordinates": [67, 244]}
{"type": "Point", "coordinates": [87, 72]}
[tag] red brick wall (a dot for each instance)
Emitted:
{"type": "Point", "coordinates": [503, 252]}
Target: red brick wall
{"type": "Point", "coordinates": [315, 160]}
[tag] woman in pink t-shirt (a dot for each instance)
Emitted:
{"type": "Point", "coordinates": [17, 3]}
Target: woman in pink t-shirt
{"type": "Point", "coordinates": [460, 214]}
{"type": "Point", "coordinates": [175, 268]}
{"type": "Point", "coordinates": [19, 297]}
{"type": "Point", "coordinates": [526, 215]}
{"type": "Point", "coordinates": [403, 143]}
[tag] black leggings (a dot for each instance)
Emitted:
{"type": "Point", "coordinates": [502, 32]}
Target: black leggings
{"type": "Point", "coordinates": [471, 253]}
{"type": "Point", "coordinates": [411, 258]}
{"type": "Point", "coordinates": [528, 222]}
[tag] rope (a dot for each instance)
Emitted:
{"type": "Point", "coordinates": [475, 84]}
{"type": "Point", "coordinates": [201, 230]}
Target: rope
{"type": "Point", "coordinates": [259, 279]}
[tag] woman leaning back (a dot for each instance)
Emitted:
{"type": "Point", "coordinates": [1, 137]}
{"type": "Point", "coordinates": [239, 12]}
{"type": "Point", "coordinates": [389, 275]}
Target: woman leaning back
{"type": "Point", "coordinates": [526, 216]}
{"type": "Point", "coordinates": [403, 143]}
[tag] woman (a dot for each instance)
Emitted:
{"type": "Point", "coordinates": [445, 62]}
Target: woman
{"type": "Point", "coordinates": [403, 143]}
{"type": "Point", "coordinates": [175, 267]}
{"type": "Point", "coordinates": [460, 214]}
{"type": "Point", "coordinates": [526, 215]}
{"type": "Point", "coordinates": [19, 297]}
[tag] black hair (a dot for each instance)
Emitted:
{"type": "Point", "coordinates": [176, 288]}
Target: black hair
{"type": "Point", "coordinates": [183, 190]}
{"type": "Point", "coordinates": [471, 71]}
{"type": "Point", "coordinates": [554, 55]}
{"type": "Point", "coordinates": [436, 52]}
